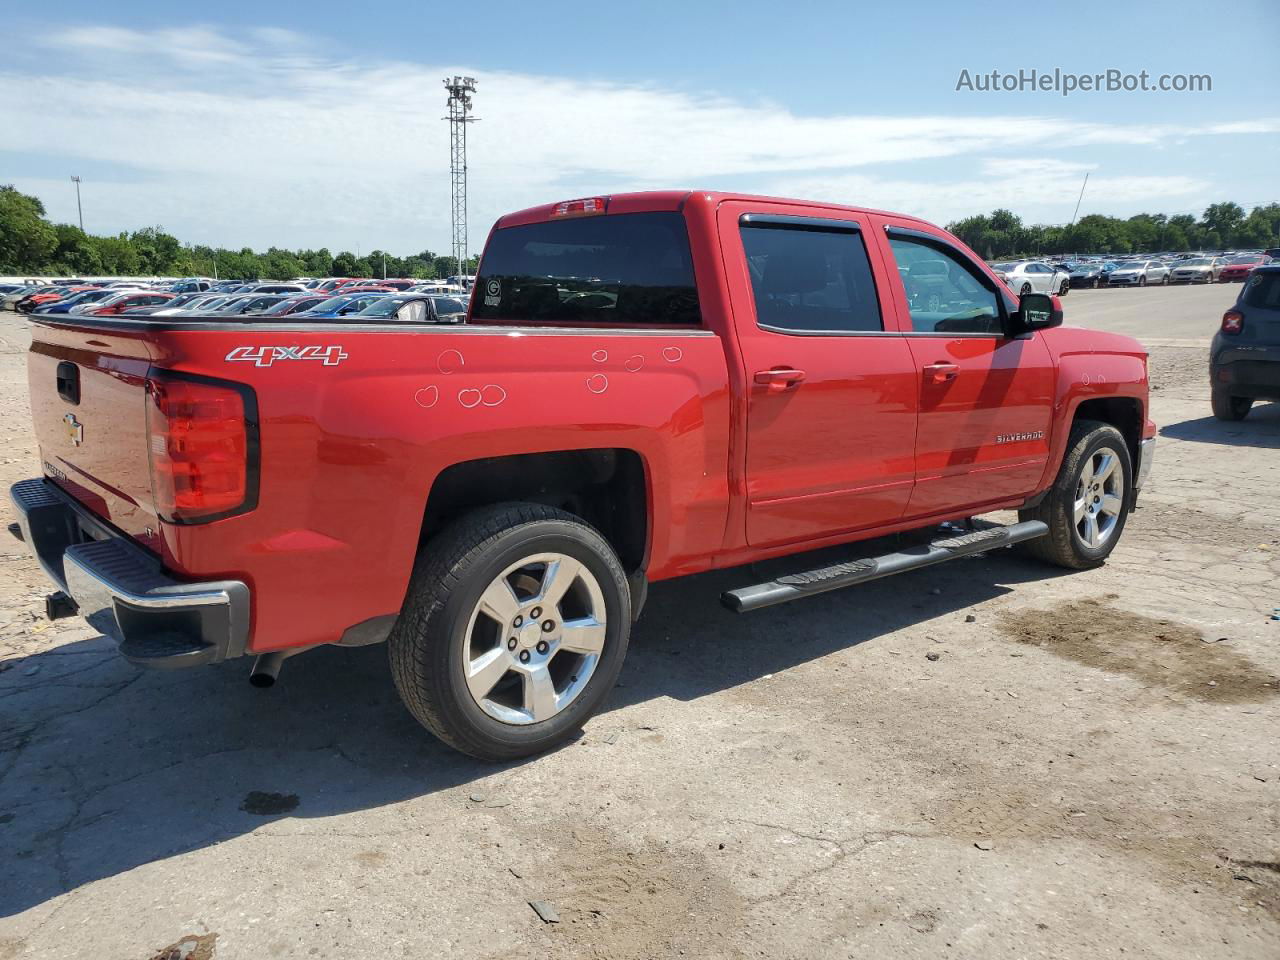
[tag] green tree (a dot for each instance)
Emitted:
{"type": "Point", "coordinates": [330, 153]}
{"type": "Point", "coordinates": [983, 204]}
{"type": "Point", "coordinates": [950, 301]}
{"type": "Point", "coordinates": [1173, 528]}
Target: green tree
{"type": "Point", "coordinates": [27, 241]}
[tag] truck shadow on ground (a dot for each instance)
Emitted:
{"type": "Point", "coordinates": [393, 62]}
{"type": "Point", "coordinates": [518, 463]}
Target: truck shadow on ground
{"type": "Point", "coordinates": [104, 767]}
{"type": "Point", "coordinates": [1260, 429]}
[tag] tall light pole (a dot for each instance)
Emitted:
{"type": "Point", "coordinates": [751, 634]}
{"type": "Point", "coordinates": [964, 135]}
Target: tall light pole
{"type": "Point", "coordinates": [1078, 199]}
{"type": "Point", "coordinates": [460, 91]}
{"type": "Point", "coordinates": [79, 209]}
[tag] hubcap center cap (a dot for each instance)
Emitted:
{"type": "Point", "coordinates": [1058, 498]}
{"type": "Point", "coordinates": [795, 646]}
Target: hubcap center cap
{"type": "Point", "coordinates": [529, 635]}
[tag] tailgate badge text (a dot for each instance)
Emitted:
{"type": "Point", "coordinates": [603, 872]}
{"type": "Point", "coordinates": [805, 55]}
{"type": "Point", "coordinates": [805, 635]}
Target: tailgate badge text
{"type": "Point", "coordinates": [266, 356]}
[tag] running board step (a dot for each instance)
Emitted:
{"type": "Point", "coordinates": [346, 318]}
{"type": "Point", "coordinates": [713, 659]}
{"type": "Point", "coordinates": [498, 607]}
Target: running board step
{"type": "Point", "coordinates": [811, 582]}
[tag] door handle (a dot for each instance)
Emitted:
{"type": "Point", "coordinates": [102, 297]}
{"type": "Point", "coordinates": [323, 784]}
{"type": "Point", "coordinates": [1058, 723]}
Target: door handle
{"type": "Point", "coordinates": [941, 372]}
{"type": "Point", "coordinates": [779, 378]}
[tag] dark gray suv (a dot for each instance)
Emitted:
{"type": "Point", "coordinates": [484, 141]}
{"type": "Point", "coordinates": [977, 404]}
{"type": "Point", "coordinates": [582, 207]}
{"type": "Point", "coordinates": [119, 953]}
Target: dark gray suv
{"type": "Point", "coordinates": [1244, 361]}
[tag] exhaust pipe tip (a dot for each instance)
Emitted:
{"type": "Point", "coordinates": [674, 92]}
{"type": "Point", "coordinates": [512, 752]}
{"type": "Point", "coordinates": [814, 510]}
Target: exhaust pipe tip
{"type": "Point", "coordinates": [266, 669]}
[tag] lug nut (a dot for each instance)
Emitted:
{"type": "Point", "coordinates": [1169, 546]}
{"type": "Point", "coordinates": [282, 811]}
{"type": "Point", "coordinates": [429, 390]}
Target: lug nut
{"type": "Point", "coordinates": [519, 622]}
{"type": "Point", "coordinates": [542, 646]}
{"type": "Point", "coordinates": [524, 656]}
{"type": "Point", "coordinates": [511, 644]}
{"type": "Point", "coordinates": [535, 613]}
{"type": "Point", "coordinates": [548, 626]}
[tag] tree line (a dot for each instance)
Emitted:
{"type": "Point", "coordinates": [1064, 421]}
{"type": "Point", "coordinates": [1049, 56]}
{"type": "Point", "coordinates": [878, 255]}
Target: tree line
{"type": "Point", "coordinates": [30, 244]}
{"type": "Point", "coordinates": [1002, 235]}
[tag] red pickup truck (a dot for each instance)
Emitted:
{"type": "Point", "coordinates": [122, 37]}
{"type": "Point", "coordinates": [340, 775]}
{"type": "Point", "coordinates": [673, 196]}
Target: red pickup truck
{"type": "Point", "coordinates": [647, 385]}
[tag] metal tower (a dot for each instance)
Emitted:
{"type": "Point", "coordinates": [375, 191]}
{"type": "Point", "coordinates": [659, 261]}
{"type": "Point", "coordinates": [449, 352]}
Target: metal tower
{"type": "Point", "coordinates": [460, 91]}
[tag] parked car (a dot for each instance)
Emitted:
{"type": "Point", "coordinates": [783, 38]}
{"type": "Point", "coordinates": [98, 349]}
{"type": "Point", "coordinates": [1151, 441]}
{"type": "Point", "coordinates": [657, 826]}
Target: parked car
{"type": "Point", "coordinates": [179, 301]}
{"type": "Point", "coordinates": [1237, 268]}
{"type": "Point", "coordinates": [1033, 276]}
{"type": "Point", "coordinates": [119, 303]}
{"type": "Point", "coordinates": [342, 305]}
{"type": "Point", "coordinates": [1138, 273]}
{"type": "Point", "coordinates": [1199, 270]}
{"type": "Point", "coordinates": [296, 304]}
{"type": "Point", "coordinates": [493, 499]}
{"type": "Point", "coordinates": [1085, 274]}
{"type": "Point", "coordinates": [252, 304]}
{"type": "Point", "coordinates": [1244, 358]}
{"type": "Point", "coordinates": [70, 302]}
{"type": "Point", "coordinates": [40, 296]}
{"type": "Point", "coordinates": [190, 286]}
{"type": "Point", "coordinates": [415, 308]}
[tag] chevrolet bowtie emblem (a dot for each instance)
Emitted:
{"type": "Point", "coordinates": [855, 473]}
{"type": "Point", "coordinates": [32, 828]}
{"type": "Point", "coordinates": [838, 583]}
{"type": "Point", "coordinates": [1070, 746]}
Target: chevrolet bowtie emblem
{"type": "Point", "coordinates": [75, 429]}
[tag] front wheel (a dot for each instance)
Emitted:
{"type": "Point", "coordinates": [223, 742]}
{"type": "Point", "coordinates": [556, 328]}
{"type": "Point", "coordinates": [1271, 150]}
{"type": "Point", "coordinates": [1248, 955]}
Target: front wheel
{"type": "Point", "coordinates": [1142, 280]}
{"type": "Point", "coordinates": [1227, 407]}
{"type": "Point", "coordinates": [1062, 290]}
{"type": "Point", "coordinates": [513, 631]}
{"type": "Point", "coordinates": [1088, 504]}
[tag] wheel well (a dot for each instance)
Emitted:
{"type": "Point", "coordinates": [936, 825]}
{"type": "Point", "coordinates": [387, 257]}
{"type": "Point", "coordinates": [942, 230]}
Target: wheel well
{"type": "Point", "coordinates": [1123, 413]}
{"type": "Point", "coordinates": [607, 488]}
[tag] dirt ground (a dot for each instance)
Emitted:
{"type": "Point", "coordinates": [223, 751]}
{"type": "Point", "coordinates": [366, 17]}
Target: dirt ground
{"type": "Point", "coordinates": [1087, 768]}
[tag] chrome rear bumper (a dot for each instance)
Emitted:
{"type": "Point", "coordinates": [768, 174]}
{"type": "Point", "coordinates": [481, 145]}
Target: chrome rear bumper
{"type": "Point", "coordinates": [123, 592]}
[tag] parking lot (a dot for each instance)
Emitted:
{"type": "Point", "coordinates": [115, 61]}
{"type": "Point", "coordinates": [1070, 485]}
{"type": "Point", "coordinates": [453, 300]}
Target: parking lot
{"type": "Point", "coordinates": [989, 758]}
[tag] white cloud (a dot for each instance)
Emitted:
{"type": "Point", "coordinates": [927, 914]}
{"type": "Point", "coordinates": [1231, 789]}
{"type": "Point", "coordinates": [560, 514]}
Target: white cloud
{"type": "Point", "coordinates": [254, 140]}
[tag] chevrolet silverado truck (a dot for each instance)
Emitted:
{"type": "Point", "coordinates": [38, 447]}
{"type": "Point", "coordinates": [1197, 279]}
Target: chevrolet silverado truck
{"type": "Point", "coordinates": [646, 386]}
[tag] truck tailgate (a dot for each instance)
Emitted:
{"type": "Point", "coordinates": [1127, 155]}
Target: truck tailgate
{"type": "Point", "coordinates": [88, 396]}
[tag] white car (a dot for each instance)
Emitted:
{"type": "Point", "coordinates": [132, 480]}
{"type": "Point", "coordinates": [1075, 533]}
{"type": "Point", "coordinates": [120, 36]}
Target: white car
{"type": "Point", "coordinates": [1033, 276]}
{"type": "Point", "coordinates": [1138, 273]}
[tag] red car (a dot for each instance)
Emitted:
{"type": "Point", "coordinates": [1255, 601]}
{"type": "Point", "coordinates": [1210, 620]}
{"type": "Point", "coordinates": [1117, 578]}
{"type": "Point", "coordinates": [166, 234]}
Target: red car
{"type": "Point", "coordinates": [1238, 268]}
{"type": "Point", "coordinates": [647, 386]}
{"type": "Point", "coordinates": [46, 295]}
{"type": "Point", "coordinates": [114, 306]}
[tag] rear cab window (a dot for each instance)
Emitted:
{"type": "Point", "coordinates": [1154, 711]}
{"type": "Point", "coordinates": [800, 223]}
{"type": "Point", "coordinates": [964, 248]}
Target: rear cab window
{"type": "Point", "coordinates": [1262, 289]}
{"type": "Point", "coordinates": [629, 269]}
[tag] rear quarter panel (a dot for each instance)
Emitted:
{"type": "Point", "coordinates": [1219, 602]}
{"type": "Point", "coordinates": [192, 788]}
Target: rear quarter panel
{"type": "Point", "coordinates": [354, 432]}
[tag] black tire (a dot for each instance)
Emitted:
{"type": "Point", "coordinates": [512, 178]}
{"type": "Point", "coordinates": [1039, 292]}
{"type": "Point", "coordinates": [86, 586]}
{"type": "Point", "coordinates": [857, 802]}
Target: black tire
{"type": "Point", "coordinates": [1096, 283]}
{"type": "Point", "coordinates": [1164, 281]}
{"type": "Point", "coordinates": [1227, 407]}
{"type": "Point", "coordinates": [1063, 546]}
{"type": "Point", "coordinates": [1026, 288]}
{"type": "Point", "coordinates": [454, 568]}
{"type": "Point", "coordinates": [1142, 280]}
{"type": "Point", "coordinates": [1062, 290]}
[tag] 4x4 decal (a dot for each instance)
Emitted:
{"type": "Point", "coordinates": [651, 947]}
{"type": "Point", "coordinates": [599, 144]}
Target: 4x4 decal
{"type": "Point", "coordinates": [266, 356]}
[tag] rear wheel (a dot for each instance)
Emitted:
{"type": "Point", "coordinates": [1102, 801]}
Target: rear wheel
{"type": "Point", "coordinates": [1062, 290]}
{"type": "Point", "coordinates": [1088, 504]}
{"type": "Point", "coordinates": [1026, 288]}
{"type": "Point", "coordinates": [1227, 407]}
{"type": "Point", "coordinates": [513, 632]}
{"type": "Point", "coordinates": [1164, 281]}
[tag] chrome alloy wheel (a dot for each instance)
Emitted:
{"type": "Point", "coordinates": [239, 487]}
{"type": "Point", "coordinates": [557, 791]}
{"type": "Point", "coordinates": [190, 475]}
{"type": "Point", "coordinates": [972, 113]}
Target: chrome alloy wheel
{"type": "Point", "coordinates": [534, 639]}
{"type": "Point", "coordinates": [1099, 500]}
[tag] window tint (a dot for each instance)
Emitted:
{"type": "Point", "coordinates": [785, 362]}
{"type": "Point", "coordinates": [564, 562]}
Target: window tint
{"type": "Point", "coordinates": [629, 269]}
{"type": "Point", "coordinates": [1262, 289]}
{"type": "Point", "coordinates": [943, 291]}
{"type": "Point", "coordinates": [810, 280]}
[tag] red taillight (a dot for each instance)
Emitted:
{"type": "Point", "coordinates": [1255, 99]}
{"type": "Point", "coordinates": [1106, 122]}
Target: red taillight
{"type": "Point", "coordinates": [201, 450]}
{"type": "Point", "coordinates": [1232, 322]}
{"type": "Point", "coordinates": [578, 208]}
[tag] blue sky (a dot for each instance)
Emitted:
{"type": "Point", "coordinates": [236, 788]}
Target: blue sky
{"type": "Point", "coordinates": [319, 123]}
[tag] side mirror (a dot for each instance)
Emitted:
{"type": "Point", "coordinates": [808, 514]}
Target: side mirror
{"type": "Point", "coordinates": [1036, 311]}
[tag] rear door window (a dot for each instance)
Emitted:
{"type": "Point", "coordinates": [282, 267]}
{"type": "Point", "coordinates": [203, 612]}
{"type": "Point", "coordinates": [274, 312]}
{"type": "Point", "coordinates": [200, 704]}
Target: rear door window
{"type": "Point", "coordinates": [810, 280]}
{"type": "Point", "coordinates": [621, 270]}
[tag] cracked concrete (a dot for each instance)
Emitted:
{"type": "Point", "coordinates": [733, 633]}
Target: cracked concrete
{"type": "Point", "coordinates": [801, 782]}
